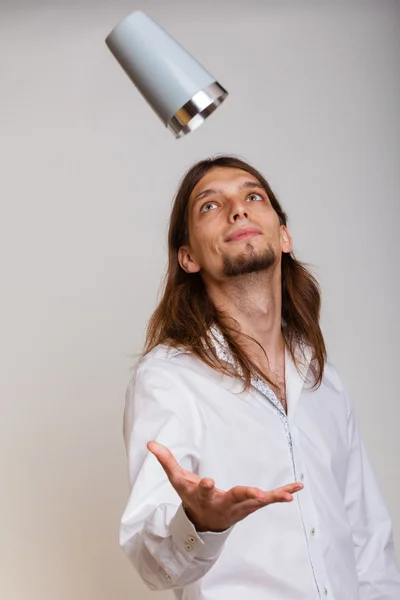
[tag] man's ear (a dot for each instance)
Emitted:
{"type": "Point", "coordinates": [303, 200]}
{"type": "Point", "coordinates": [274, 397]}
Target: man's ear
{"type": "Point", "coordinates": [187, 261]}
{"type": "Point", "coordinates": [286, 240]}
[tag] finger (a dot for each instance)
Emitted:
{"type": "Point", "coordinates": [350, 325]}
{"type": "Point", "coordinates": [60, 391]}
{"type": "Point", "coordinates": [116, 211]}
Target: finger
{"type": "Point", "coordinates": [292, 488]}
{"type": "Point", "coordinates": [205, 489]}
{"type": "Point", "coordinates": [283, 494]}
{"type": "Point", "coordinates": [240, 493]}
{"type": "Point", "coordinates": [247, 507]}
{"type": "Point", "coordinates": [167, 460]}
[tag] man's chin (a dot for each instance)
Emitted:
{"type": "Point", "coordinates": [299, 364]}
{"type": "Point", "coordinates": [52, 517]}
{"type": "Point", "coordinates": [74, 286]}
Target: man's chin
{"type": "Point", "coordinates": [248, 261]}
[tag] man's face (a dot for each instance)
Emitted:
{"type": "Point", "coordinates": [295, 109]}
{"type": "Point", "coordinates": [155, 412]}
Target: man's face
{"type": "Point", "coordinates": [233, 228]}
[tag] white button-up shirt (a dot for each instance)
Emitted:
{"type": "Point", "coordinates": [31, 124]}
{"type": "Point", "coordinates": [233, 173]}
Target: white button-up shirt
{"type": "Point", "coordinates": [334, 540]}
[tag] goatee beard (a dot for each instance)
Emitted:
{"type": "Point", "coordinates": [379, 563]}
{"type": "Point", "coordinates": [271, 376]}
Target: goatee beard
{"type": "Point", "coordinates": [248, 262]}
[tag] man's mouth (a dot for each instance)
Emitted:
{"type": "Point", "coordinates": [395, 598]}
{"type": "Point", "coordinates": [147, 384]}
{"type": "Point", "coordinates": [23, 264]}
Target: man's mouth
{"type": "Point", "coordinates": [243, 233]}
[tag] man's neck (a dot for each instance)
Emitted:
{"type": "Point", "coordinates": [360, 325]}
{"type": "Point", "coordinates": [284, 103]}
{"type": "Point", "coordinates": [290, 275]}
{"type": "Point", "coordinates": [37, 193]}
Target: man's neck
{"type": "Point", "coordinates": [254, 301]}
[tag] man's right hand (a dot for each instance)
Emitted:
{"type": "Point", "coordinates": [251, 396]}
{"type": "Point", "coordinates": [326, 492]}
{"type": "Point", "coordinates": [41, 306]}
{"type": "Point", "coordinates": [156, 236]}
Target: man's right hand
{"type": "Point", "coordinates": [209, 508]}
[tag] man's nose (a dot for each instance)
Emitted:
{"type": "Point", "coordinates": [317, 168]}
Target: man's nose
{"type": "Point", "coordinates": [238, 211]}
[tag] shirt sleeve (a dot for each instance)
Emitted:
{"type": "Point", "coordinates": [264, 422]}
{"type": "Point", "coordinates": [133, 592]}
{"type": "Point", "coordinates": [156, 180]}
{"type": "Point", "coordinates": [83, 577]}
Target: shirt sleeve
{"type": "Point", "coordinates": [378, 573]}
{"type": "Point", "coordinates": [155, 533]}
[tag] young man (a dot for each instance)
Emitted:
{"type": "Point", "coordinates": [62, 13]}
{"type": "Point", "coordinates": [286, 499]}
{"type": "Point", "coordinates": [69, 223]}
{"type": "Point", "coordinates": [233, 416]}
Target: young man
{"type": "Point", "coordinates": [262, 488]}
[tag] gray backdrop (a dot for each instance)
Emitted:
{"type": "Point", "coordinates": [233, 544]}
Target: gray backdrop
{"type": "Point", "coordinates": [88, 174]}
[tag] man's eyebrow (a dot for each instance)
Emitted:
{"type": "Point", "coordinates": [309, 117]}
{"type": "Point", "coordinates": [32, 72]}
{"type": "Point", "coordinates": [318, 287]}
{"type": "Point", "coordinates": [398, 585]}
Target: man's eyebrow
{"type": "Point", "coordinates": [205, 193]}
{"type": "Point", "coordinates": [245, 185]}
{"type": "Point", "coordinates": [252, 184]}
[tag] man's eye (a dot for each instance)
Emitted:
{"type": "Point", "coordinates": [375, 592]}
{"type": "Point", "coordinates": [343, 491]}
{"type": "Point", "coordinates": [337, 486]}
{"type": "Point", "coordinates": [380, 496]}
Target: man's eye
{"type": "Point", "coordinates": [207, 207]}
{"type": "Point", "coordinates": [255, 197]}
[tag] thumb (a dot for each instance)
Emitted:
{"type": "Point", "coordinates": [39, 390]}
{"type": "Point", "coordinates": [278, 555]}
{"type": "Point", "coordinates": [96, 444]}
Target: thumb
{"type": "Point", "coordinates": [165, 458]}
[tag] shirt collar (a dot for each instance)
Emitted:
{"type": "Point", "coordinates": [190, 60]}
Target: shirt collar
{"type": "Point", "coordinates": [223, 352]}
{"type": "Point", "coordinates": [295, 376]}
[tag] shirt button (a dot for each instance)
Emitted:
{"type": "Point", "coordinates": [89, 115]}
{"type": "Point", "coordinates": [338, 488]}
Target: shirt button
{"type": "Point", "coordinates": [325, 592]}
{"type": "Point", "coordinates": [301, 476]}
{"type": "Point", "coordinates": [168, 576]}
{"type": "Point", "coordinates": [312, 531]}
{"type": "Point", "coordinates": [188, 547]}
{"type": "Point", "coordinates": [192, 539]}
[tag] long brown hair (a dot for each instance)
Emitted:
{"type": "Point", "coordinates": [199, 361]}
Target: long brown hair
{"type": "Point", "coordinates": [185, 313]}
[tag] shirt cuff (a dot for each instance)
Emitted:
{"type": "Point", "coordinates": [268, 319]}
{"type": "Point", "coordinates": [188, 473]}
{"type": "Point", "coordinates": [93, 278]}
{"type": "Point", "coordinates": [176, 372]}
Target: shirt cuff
{"type": "Point", "coordinates": [205, 544]}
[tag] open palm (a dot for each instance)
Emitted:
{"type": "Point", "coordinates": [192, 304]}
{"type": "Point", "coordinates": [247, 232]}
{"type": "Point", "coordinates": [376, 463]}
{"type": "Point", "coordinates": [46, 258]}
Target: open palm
{"type": "Point", "coordinates": [212, 509]}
